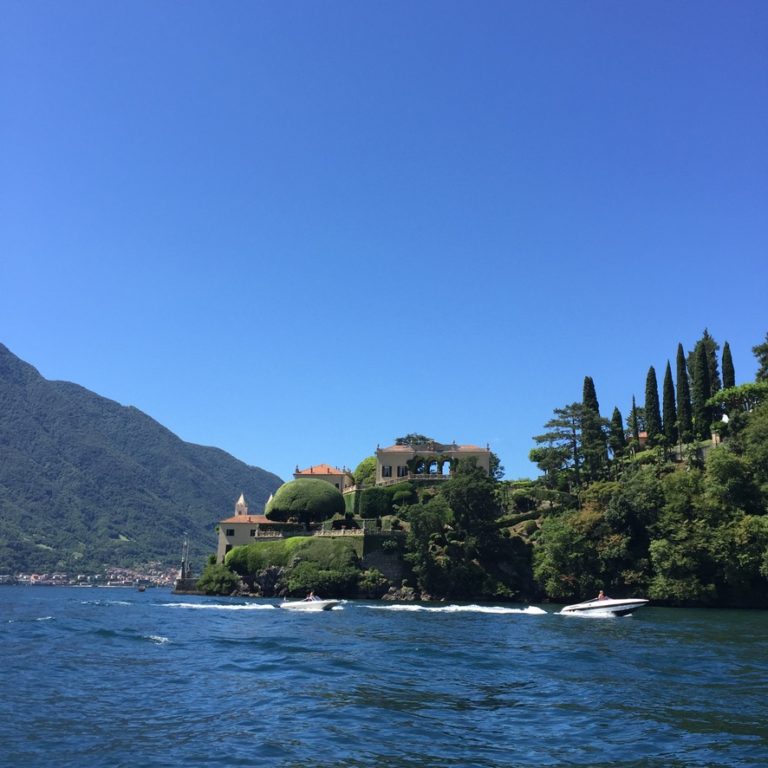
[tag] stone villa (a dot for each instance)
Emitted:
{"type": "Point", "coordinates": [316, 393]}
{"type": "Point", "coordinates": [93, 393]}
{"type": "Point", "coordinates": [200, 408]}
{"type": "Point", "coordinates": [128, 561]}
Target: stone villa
{"type": "Point", "coordinates": [431, 462]}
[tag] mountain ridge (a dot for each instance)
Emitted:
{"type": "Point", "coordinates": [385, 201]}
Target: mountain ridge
{"type": "Point", "coordinates": [87, 482]}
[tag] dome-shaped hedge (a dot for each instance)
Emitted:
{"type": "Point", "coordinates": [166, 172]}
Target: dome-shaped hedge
{"type": "Point", "coordinates": [306, 500]}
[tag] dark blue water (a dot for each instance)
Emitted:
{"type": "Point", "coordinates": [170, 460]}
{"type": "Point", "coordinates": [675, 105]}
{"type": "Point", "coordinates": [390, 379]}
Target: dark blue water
{"type": "Point", "coordinates": [112, 677]}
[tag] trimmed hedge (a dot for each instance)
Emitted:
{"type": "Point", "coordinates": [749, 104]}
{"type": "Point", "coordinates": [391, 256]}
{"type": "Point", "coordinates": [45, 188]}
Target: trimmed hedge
{"type": "Point", "coordinates": [306, 500]}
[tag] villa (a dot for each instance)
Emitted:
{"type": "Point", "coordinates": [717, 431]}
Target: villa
{"type": "Point", "coordinates": [425, 461]}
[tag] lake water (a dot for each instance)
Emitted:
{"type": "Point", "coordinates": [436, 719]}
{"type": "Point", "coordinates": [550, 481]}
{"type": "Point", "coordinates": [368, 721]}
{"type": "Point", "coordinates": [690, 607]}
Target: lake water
{"type": "Point", "coordinates": [114, 677]}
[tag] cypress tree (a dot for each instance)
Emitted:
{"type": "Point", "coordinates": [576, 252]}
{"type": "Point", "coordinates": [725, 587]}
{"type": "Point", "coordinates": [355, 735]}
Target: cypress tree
{"type": "Point", "coordinates": [617, 438]}
{"type": "Point", "coordinates": [700, 393]}
{"type": "Point", "coordinates": [589, 397]}
{"type": "Point", "coordinates": [729, 375]}
{"type": "Point", "coordinates": [684, 414]}
{"type": "Point", "coordinates": [634, 422]}
{"type": "Point", "coordinates": [593, 438]}
{"type": "Point", "coordinates": [669, 412]}
{"type": "Point", "coordinates": [710, 348]}
{"type": "Point", "coordinates": [652, 415]}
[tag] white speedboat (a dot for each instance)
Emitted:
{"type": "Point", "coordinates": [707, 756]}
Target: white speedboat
{"type": "Point", "coordinates": [608, 606]}
{"type": "Point", "coordinates": [309, 605]}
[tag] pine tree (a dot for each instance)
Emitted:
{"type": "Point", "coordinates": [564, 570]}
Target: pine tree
{"type": "Point", "coordinates": [729, 375]}
{"type": "Point", "coordinates": [669, 412]}
{"type": "Point", "coordinates": [684, 414]}
{"type": "Point", "coordinates": [652, 415]}
{"type": "Point", "coordinates": [761, 353]}
{"type": "Point", "coordinates": [592, 433]}
{"type": "Point", "coordinates": [617, 439]}
{"type": "Point", "coordinates": [702, 417]}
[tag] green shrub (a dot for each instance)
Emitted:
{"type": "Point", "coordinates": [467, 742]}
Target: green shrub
{"type": "Point", "coordinates": [306, 500]}
{"type": "Point", "coordinates": [218, 580]}
{"type": "Point", "coordinates": [308, 575]}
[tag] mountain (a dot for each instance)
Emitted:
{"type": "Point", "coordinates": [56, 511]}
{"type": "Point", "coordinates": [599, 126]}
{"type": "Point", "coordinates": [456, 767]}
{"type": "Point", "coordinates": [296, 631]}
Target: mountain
{"type": "Point", "coordinates": [85, 481]}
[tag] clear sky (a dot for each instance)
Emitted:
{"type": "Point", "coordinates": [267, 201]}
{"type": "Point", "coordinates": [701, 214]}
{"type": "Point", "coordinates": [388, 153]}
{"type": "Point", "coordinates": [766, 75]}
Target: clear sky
{"type": "Point", "coordinates": [296, 230]}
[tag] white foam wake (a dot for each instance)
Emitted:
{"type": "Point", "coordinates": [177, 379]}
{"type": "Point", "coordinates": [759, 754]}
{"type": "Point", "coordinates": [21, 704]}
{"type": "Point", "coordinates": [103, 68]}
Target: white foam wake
{"type": "Point", "coordinates": [498, 610]}
{"type": "Point", "coordinates": [221, 606]}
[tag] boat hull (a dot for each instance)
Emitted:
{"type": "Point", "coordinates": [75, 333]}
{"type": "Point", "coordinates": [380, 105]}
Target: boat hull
{"type": "Point", "coordinates": [607, 607]}
{"type": "Point", "coordinates": [309, 605]}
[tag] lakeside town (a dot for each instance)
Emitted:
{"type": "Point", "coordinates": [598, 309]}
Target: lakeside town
{"type": "Point", "coordinates": [150, 575]}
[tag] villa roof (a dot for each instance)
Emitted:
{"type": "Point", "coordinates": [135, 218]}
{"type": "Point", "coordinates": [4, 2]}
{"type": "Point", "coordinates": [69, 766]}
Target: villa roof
{"type": "Point", "coordinates": [446, 447]}
{"type": "Point", "coordinates": [320, 469]}
{"type": "Point", "coordinates": [249, 520]}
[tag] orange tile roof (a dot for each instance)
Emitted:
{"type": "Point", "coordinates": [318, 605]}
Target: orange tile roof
{"type": "Point", "coordinates": [320, 469]}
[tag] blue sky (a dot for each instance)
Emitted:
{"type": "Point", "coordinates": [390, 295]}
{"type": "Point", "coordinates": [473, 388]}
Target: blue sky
{"type": "Point", "coordinates": [298, 230]}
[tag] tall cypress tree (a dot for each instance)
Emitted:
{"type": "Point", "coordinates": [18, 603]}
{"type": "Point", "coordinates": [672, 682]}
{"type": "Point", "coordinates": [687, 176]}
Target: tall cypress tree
{"type": "Point", "coordinates": [702, 418]}
{"type": "Point", "coordinates": [710, 347]}
{"type": "Point", "coordinates": [652, 415]}
{"type": "Point", "coordinates": [634, 422]}
{"type": "Point", "coordinates": [684, 413]}
{"type": "Point", "coordinates": [669, 412]}
{"type": "Point", "coordinates": [617, 439]}
{"type": "Point", "coordinates": [729, 375]}
{"type": "Point", "coordinates": [593, 439]}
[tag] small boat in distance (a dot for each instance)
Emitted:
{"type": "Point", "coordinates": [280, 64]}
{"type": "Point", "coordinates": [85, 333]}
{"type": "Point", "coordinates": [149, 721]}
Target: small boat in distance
{"type": "Point", "coordinates": [310, 605]}
{"type": "Point", "coordinates": [606, 606]}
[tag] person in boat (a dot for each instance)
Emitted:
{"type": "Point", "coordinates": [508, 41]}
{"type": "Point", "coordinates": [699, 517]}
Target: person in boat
{"type": "Point", "coordinates": [311, 597]}
{"type": "Point", "coordinates": [601, 595]}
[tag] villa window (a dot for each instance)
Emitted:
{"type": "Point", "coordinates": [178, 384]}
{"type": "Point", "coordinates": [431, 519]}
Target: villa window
{"type": "Point", "coordinates": [402, 471]}
{"type": "Point", "coordinates": [386, 471]}
{"type": "Point", "coordinates": [229, 532]}
{"type": "Point", "coordinates": [228, 548]}
{"type": "Point", "coordinates": [253, 531]}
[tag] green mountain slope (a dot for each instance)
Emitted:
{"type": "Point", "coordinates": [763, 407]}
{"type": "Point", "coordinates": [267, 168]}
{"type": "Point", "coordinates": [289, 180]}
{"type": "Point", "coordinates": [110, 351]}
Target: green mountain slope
{"type": "Point", "coordinates": [85, 481]}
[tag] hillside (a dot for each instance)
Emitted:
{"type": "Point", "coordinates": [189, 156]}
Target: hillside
{"type": "Point", "coordinates": [85, 481]}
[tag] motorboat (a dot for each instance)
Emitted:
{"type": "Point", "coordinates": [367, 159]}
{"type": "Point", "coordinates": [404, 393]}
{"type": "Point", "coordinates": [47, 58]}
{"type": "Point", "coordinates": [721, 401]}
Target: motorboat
{"type": "Point", "coordinates": [606, 606]}
{"type": "Point", "coordinates": [310, 605]}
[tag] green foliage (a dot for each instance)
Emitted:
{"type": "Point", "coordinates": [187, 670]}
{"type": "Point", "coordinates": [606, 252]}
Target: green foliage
{"type": "Point", "coordinates": [329, 565]}
{"type": "Point", "coordinates": [365, 472]}
{"type": "Point", "coordinates": [702, 413]}
{"type": "Point", "coordinates": [708, 347]}
{"type": "Point", "coordinates": [310, 576]}
{"type": "Point", "coordinates": [381, 501]}
{"type": "Point", "coordinates": [560, 455]}
{"type": "Point", "coordinates": [729, 374]}
{"type": "Point", "coordinates": [760, 351]}
{"type": "Point", "coordinates": [684, 410]}
{"type": "Point", "coordinates": [594, 443]}
{"type": "Point", "coordinates": [669, 412]}
{"type": "Point", "coordinates": [255, 557]}
{"type": "Point", "coordinates": [218, 580]}
{"type": "Point", "coordinates": [305, 500]}
{"type": "Point", "coordinates": [617, 439]}
{"type": "Point", "coordinates": [413, 438]}
{"type": "Point", "coordinates": [745, 397]}
{"type": "Point", "coordinates": [652, 414]}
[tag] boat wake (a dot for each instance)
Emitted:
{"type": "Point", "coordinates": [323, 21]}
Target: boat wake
{"type": "Point", "coordinates": [221, 606]}
{"type": "Point", "coordinates": [492, 609]}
